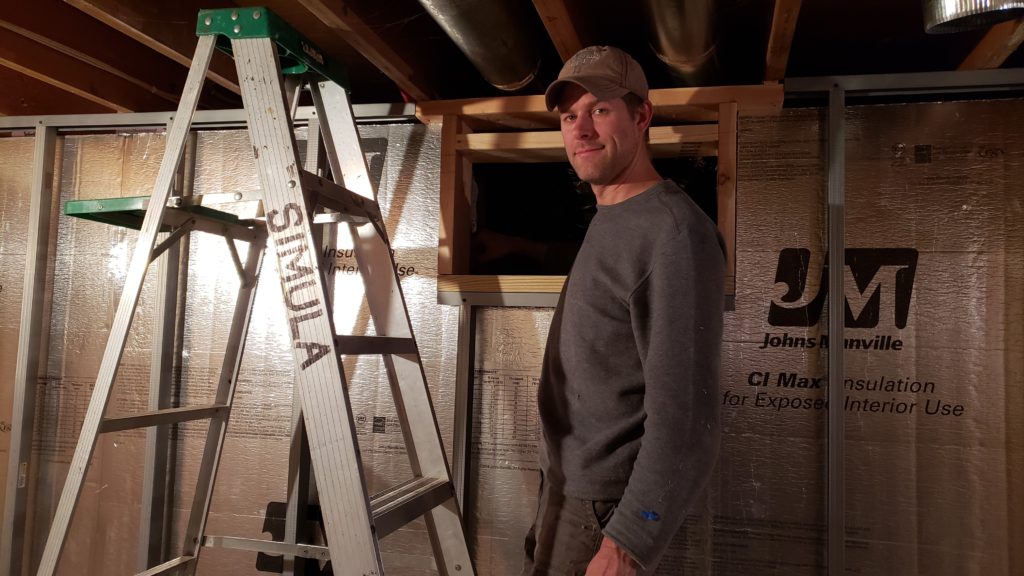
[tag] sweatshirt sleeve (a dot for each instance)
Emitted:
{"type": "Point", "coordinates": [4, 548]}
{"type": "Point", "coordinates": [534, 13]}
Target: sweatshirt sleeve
{"type": "Point", "coordinates": [676, 313]}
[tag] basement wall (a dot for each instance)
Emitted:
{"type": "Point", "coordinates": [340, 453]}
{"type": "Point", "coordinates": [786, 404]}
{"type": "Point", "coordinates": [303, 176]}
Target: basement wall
{"type": "Point", "coordinates": [934, 286]}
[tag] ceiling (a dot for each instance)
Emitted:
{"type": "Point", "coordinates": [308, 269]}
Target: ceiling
{"type": "Point", "coordinates": [96, 56]}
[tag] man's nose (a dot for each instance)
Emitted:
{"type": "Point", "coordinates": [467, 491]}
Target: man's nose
{"type": "Point", "coordinates": [583, 128]}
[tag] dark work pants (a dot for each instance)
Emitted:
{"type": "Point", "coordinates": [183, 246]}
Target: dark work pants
{"type": "Point", "coordinates": [565, 535]}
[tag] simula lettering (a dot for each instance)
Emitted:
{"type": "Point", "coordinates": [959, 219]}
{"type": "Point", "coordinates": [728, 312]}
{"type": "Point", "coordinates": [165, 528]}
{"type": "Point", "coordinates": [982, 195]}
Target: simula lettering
{"type": "Point", "coordinates": [298, 280]}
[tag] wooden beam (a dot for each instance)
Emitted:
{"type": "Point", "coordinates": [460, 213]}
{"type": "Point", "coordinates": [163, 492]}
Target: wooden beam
{"type": "Point", "coordinates": [499, 283]}
{"type": "Point", "coordinates": [560, 27]}
{"type": "Point", "coordinates": [671, 106]}
{"type": "Point", "coordinates": [67, 73]}
{"type": "Point", "coordinates": [755, 99]}
{"type": "Point", "coordinates": [454, 233]}
{"type": "Point", "coordinates": [167, 27]}
{"type": "Point", "coordinates": [338, 16]}
{"type": "Point", "coordinates": [25, 96]}
{"type": "Point", "coordinates": [58, 26]}
{"type": "Point", "coordinates": [780, 40]}
{"type": "Point", "coordinates": [664, 142]}
{"type": "Point", "coordinates": [1001, 41]}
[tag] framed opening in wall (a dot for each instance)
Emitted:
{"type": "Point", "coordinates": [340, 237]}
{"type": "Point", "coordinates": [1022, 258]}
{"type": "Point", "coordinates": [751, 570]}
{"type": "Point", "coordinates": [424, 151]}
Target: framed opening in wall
{"type": "Point", "coordinates": [530, 219]}
{"type": "Point", "coordinates": [490, 200]}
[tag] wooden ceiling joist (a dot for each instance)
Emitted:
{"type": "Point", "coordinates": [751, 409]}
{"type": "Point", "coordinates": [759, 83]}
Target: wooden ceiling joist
{"type": "Point", "coordinates": [780, 40]}
{"type": "Point", "coordinates": [25, 96]}
{"type": "Point", "coordinates": [58, 26]}
{"type": "Point", "coordinates": [67, 72]}
{"type": "Point", "coordinates": [339, 17]}
{"type": "Point", "coordinates": [560, 27]}
{"type": "Point", "coordinates": [167, 27]}
{"type": "Point", "coordinates": [1001, 41]}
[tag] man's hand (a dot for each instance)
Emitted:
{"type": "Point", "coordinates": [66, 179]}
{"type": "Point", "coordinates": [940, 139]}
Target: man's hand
{"type": "Point", "coordinates": [611, 560]}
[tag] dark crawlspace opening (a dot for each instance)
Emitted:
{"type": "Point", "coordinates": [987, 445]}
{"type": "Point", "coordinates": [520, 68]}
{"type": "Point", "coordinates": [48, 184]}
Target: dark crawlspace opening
{"type": "Point", "coordinates": [530, 218]}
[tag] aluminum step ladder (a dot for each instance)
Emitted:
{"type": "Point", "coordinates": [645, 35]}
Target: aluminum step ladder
{"type": "Point", "coordinates": [263, 47]}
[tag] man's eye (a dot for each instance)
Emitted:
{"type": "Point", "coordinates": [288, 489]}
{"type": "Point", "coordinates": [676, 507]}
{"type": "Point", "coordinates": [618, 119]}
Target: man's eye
{"type": "Point", "coordinates": [598, 111]}
{"type": "Point", "coordinates": [568, 118]}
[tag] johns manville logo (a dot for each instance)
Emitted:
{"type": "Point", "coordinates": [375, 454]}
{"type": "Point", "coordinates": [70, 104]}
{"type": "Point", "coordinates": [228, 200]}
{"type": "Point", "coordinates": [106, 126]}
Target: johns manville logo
{"type": "Point", "coordinates": [878, 285]}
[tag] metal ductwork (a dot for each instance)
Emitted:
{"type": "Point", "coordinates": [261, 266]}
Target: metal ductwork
{"type": "Point", "coordinates": [500, 37]}
{"type": "Point", "coordinates": [684, 38]}
{"type": "Point", "coordinates": [942, 16]}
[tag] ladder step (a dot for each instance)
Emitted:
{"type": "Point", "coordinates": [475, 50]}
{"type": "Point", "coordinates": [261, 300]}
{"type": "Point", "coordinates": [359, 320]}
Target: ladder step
{"type": "Point", "coordinates": [338, 198]}
{"type": "Point", "coordinates": [165, 416]}
{"type": "Point", "coordinates": [169, 566]}
{"type": "Point", "coordinates": [374, 345]}
{"type": "Point", "coordinates": [392, 509]}
{"type": "Point", "coordinates": [268, 547]}
{"type": "Point", "coordinates": [402, 504]}
{"type": "Point", "coordinates": [322, 553]}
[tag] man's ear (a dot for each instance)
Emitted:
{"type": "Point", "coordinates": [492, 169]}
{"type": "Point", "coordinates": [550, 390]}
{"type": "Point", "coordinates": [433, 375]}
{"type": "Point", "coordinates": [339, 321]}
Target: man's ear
{"type": "Point", "coordinates": [644, 115]}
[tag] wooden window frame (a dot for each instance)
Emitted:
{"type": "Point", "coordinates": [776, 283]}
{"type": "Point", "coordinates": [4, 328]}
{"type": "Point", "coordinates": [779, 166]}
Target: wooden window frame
{"type": "Point", "coordinates": [520, 129]}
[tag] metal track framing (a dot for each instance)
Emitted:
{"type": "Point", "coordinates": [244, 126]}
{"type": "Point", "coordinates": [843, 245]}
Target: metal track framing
{"type": "Point", "coordinates": [836, 319]}
{"type": "Point", "coordinates": [26, 371]}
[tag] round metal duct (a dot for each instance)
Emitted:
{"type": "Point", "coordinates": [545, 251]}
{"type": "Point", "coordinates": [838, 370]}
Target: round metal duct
{"type": "Point", "coordinates": [500, 37]}
{"type": "Point", "coordinates": [684, 38]}
{"type": "Point", "coordinates": [943, 16]}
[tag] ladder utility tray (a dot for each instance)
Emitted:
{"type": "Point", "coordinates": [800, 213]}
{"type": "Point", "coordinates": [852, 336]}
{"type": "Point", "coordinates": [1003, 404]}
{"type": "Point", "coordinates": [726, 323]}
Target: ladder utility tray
{"type": "Point", "coordinates": [129, 212]}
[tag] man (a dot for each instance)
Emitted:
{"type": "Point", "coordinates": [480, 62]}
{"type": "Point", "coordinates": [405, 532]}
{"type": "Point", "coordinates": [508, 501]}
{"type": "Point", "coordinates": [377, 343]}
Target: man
{"type": "Point", "coordinates": [628, 389]}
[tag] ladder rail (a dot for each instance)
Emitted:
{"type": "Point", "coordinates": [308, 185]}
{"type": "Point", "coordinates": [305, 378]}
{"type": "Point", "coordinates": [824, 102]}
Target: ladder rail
{"type": "Point", "coordinates": [325, 404]}
{"type": "Point", "coordinates": [126, 308]}
{"type": "Point", "coordinates": [225, 394]}
{"type": "Point", "coordinates": [301, 488]}
{"type": "Point", "coordinates": [390, 314]}
{"type": "Point", "coordinates": [344, 155]}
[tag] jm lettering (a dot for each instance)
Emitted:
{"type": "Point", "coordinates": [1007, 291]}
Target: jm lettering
{"type": "Point", "coordinates": [876, 280]}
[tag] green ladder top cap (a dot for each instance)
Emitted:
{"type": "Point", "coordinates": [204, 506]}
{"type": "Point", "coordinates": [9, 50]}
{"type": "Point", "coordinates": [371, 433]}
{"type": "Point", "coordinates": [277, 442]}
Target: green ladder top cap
{"type": "Point", "coordinates": [298, 55]}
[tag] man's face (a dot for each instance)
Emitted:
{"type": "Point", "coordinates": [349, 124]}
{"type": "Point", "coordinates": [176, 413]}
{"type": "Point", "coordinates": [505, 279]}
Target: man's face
{"type": "Point", "coordinates": [602, 138]}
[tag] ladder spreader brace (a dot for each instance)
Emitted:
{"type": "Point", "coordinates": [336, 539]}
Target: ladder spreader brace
{"type": "Point", "coordinates": [293, 199]}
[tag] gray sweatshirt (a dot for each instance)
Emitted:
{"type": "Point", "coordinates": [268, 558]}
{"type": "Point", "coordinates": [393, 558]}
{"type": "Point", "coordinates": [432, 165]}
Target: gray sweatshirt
{"type": "Point", "coordinates": [628, 395]}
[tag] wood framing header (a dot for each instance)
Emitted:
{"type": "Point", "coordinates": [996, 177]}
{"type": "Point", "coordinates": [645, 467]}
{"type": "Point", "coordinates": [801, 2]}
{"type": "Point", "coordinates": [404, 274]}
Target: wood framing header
{"type": "Point", "coordinates": [672, 106]}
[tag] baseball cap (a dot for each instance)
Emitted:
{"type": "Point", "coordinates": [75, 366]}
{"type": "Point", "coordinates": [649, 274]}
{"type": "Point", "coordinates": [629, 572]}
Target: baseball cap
{"type": "Point", "coordinates": [604, 71]}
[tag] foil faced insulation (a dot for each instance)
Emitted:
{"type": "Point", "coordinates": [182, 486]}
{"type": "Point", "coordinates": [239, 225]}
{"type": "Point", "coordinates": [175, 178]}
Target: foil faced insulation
{"type": "Point", "coordinates": [91, 264]}
{"type": "Point", "coordinates": [934, 286]}
{"type": "Point", "coordinates": [15, 194]}
{"type": "Point", "coordinates": [934, 358]}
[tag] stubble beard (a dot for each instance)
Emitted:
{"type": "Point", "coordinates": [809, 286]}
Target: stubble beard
{"type": "Point", "coordinates": [599, 171]}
